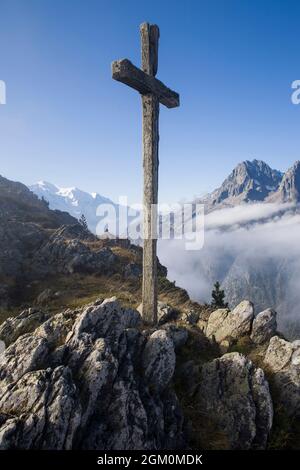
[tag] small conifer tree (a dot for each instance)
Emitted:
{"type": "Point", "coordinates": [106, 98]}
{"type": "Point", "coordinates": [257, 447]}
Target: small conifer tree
{"type": "Point", "coordinates": [83, 222]}
{"type": "Point", "coordinates": [218, 297]}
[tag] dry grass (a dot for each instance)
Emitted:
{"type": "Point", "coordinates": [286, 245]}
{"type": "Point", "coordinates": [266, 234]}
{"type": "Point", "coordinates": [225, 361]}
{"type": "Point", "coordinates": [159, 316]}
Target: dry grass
{"type": "Point", "coordinates": [254, 352]}
{"type": "Point", "coordinates": [78, 290]}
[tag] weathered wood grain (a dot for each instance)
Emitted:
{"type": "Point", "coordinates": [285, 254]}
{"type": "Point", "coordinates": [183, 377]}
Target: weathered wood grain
{"type": "Point", "coordinates": [150, 106]}
{"type": "Point", "coordinates": [124, 71]}
{"type": "Point", "coordinates": [149, 40]}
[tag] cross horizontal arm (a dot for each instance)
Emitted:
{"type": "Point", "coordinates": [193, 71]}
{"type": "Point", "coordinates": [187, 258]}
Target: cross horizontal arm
{"type": "Point", "coordinates": [124, 71]}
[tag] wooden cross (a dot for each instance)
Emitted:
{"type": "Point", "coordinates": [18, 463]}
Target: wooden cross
{"type": "Point", "coordinates": [153, 92]}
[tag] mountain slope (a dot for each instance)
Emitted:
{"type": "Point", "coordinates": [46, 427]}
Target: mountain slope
{"type": "Point", "coordinates": [249, 182]}
{"type": "Point", "coordinates": [47, 256]}
{"type": "Point", "coordinates": [289, 189]}
{"type": "Point", "coordinates": [19, 204]}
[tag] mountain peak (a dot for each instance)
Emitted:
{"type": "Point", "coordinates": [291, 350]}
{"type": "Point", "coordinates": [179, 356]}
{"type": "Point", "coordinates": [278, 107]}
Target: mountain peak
{"type": "Point", "coordinates": [73, 200]}
{"type": "Point", "coordinates": [248, 182]}
{"type": "Point", "coordinates": [46, 186]}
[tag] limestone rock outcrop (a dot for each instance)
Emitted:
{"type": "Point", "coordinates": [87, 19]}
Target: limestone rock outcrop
{"type": "Point", "coordinates": [159, 359]}
{"type": "Point", "coordinates": [88, 379]}
{"type": "Point", "coordinates": [235, 395]}
{"type": "Point", "coordinates": [264, 326]}
{"type": "Point", "coordinates": [225, 326]}
{"type": "Point", "coordinates": [97, 378]}
{"type": "Point", "coordinates": [283, 361]}
{"type": "Point", "coordinates": [165, 312]}
{"type": "Point", "coordinates": [26, 322]}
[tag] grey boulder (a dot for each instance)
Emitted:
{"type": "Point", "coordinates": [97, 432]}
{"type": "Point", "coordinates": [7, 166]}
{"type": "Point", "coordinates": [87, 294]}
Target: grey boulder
{"type": "Point", "coordinates": [235, 395]}
{"type": "Point", "coordinates": [264, 326]}
{"type": "Point", "coordinates": [89, 379]}
{"type": "Point", "coordinates": [283, 360]}
{"type": "Point", "coordinates": [159, 359]}
{"type": "Point", "coordinates": [226, 326]}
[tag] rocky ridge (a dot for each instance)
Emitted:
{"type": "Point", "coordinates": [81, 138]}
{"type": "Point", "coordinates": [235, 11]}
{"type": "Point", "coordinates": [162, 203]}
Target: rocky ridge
{"type": "Point", "coordinates": [253, 182]}
{"type": "Point", "coordinates": [97, 378]}
{"type": "Point", "coordinates": [76, 382]}
{"type": "Point", "coordinates": [289, 189]}
{"type": "Point", "coordinates": [250, 181]}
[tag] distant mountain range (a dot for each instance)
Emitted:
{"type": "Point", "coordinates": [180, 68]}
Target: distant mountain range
{"type": "Point", "coordinates": [249, 182]}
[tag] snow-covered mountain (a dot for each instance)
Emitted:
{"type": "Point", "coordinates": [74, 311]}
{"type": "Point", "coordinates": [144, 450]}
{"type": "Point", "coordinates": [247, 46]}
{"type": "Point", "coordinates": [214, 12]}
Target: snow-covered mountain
{"type": "Point", "coordinates": [72, 200]}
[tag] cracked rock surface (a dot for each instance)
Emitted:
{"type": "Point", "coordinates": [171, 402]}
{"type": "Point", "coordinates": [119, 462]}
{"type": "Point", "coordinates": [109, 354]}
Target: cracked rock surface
{"type": "Point", "coordinates": [235, 395]}
{"type": "Point", "coordinates": [75, 381]}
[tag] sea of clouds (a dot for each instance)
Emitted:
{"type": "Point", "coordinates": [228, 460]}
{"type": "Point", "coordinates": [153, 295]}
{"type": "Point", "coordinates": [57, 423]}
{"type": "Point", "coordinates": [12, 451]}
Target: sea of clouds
{"type": "Point", "coordinates": [252, 249]}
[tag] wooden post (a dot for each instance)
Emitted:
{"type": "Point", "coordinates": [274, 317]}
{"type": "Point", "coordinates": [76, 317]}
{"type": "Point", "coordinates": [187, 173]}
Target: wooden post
{"type": "Point", "coordinates": [150, 106]}
{"type": "Point", "coordinates": [150, 199]}
{"type": "Point", "coordinates": [153, 93]}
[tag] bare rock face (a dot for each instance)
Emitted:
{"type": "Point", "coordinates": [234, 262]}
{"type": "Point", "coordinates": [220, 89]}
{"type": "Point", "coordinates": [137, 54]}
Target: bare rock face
{"type": "Point", "coordinates": [178, 334]}
{"type": "Point", "coordinates": [215, 321]}
{"type": "Point", "coordinates": [77, 381]}
{"type": "Point", "coordinates": [249, 181]}
{"type": "Point", "coordinates": [279, 354]}
{"type": "Point", "coordinates": [26, 322]}
{"type": "Point", "coordinates": [165, 312]}
{"type": "Point", "coordinates": [66, 252]}
{"type": "Point", "coordinates": [235, 395]}
{"type": "Point", "coordinates": [91, 378]}
{"type": "Point", "coordinates": [289, 189]}
{"type": "Point", "coordinates": [225, 326]}
{"type": "Point", "coordinates": [283, 360]}
{"type": "Point", "coordinates": [264, 326]}
{"type": "Point", "coordinates": [40, 411]}
{"type": "Point", "coordinates": [159, 359]}
{"type": "Point", "coordinates": [28, 353]}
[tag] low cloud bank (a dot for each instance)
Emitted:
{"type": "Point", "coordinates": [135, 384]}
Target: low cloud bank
{"type": "Point", "coordinates": [254, 250]}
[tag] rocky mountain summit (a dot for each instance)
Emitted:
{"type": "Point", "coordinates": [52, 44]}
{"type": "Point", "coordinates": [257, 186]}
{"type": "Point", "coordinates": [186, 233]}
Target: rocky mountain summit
{"type": "Point", "coordinates": [249, 181]}
{"type": "Point", "coordinates": [97, 378]}
{"type": "Point", "coordinates": [255, 182]}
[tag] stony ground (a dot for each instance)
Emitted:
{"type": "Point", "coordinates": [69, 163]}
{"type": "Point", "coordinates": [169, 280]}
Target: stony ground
{"type": "Point", "coordinates": [97, 378]}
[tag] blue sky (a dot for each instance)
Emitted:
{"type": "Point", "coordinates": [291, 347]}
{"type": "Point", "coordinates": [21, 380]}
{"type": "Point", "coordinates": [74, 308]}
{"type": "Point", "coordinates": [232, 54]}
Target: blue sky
{"type": "Point", "coordinates": [66, 121]}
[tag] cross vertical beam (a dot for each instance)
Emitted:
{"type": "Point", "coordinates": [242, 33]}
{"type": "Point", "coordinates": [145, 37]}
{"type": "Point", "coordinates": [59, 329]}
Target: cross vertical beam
{"type": "Point", "coordinates": [150, 106]}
